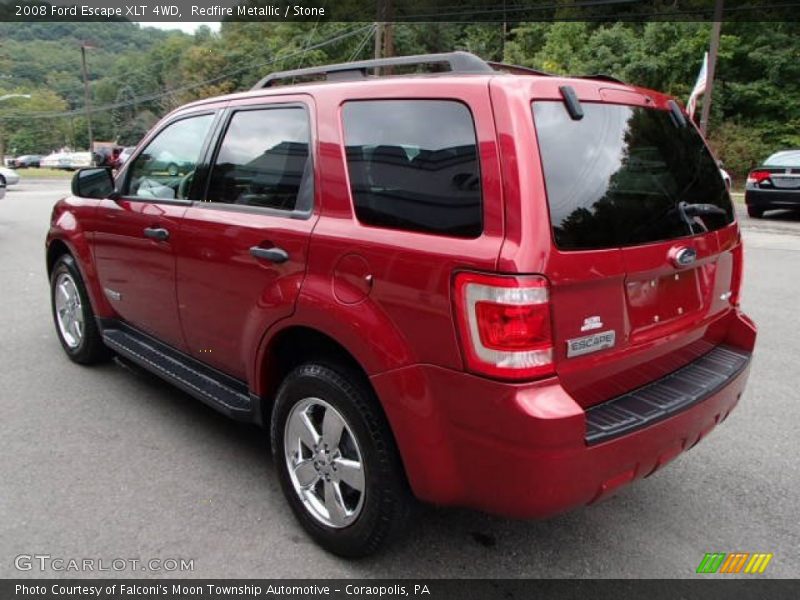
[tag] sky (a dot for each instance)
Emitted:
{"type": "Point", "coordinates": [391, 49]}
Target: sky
{"type": "Point", "coordinates": [183, 26]}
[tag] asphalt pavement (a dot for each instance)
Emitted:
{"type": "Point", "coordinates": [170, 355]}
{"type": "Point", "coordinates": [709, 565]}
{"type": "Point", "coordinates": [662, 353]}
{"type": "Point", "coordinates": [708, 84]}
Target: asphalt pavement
{"type": "Point", "coordinates": [107, 463]}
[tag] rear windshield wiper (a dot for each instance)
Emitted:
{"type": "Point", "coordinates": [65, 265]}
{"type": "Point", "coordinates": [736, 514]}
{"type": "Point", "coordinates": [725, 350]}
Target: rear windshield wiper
{"type": "Point", "coordinates": [700, 210]}
{"type": "Point", "coordinates": [688, 210]}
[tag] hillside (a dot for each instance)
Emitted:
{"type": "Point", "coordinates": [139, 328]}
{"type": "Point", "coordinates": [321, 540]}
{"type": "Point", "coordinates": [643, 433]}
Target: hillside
{"type": "Point", "coordinates": [137, 74]}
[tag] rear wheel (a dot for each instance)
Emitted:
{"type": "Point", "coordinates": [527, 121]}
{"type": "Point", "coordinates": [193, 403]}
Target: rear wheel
{"type": "Point", "coordinates": [755, 213]}
{"type": "Point", "coordinates": [337, 461]}
{"type": "Point", "coordinates": [73, 316]}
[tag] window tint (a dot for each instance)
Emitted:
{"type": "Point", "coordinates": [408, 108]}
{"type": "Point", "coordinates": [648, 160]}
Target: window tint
{"type": "Point", "coordinates": [165, 168]}
{"type": "Point", "coordinates": [413, 165]}
{"type": "Point", "coordinates": [615, 177]}
{"type": "Point", "coordinates": [264, 161]}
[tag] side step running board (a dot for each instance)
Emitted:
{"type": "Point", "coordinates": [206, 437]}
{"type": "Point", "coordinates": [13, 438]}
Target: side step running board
{"type": "Point", "coordinates": [223, 393]}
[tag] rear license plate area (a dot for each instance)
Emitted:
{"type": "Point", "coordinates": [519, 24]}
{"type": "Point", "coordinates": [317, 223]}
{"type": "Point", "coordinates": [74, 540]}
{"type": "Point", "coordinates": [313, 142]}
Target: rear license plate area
{"type": "Point", "coordinates": [665, 298]}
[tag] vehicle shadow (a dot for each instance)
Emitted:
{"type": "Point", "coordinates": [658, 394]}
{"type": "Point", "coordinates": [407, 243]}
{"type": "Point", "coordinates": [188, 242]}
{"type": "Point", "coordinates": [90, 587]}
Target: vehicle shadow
{"type": "Point", "coordinates": [439, 542]}
{"type": "Point", "coordinates": [790, 216]}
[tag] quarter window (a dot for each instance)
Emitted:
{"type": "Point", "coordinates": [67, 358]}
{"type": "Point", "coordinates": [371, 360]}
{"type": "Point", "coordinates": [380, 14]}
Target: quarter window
{"type": "Point", "coordinates": [165, 168]}
{"type": "Point", "coordinates": [413, 165]}
{"type": "Point", "coordinates": [264, 161]}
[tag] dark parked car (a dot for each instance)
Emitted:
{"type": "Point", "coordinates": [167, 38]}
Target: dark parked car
{"type": "Point", "coordinates": [500, 290]}
{"type": "Point", "coordinates": [27, 161]}
{"type": "Point", "coordinates": [774, 184]}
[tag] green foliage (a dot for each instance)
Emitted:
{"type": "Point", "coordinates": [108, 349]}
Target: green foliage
{"type": "Point", "coordinates": [741, 147]}
{"type": "Point", "coordinates": [138, 74]}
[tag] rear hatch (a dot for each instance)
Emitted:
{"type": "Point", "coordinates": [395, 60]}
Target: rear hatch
{"type": "Point", "coordinates": [646, 250]}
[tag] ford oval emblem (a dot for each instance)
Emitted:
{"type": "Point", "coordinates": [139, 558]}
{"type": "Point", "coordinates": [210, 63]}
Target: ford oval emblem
{"type": "Point", "coordinates": [683, 256]}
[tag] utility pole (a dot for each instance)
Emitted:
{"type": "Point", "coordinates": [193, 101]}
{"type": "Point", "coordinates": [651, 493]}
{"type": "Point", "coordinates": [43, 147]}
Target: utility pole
{"type": "Point", "coordinates": [379, 40]}
{"type": "Point", "coordinates": [388, 31]}
{"type": "Point", "coordinates": [713, 50]}
{"type": "Point", "coordinates": [384, 33]}
{"type": "Point", "coordinates": [87, 97]}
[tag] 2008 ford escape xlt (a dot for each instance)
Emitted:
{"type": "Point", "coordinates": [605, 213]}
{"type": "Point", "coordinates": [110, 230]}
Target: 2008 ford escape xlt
{"type": "Point", "coordinates": [481, 286]}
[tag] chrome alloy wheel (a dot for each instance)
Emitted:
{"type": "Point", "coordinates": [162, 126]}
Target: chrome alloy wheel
{"type": "Point", "coordinates": [324, 463]}
{"type": "Point", "coordinates": [69, 311]}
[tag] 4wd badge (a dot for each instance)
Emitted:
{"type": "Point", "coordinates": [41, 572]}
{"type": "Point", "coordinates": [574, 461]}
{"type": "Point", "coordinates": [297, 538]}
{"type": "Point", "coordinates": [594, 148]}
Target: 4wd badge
{"type": "Point", "coordinates": [591, 343]}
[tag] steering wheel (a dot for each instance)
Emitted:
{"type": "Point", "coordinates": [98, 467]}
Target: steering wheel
{"type": "Point", "coordinates": [184, 186]}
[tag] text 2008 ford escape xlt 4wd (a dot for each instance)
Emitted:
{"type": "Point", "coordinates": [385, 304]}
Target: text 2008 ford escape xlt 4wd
{"type": "Point", "coordinates": [481, 287]}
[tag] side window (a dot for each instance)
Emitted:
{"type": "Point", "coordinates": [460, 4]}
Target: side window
{"type": "Point", "coordinates": [413, 165]}
{"type": "Point", "coordinates": [264, 161]}
{"type": "Point", "coordinates": [165, 168]}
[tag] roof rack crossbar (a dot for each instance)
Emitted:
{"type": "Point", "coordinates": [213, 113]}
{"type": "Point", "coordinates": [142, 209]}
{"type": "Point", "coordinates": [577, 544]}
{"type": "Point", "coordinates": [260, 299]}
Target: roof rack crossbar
{"type": "Point", "coordinates": [459, 62]}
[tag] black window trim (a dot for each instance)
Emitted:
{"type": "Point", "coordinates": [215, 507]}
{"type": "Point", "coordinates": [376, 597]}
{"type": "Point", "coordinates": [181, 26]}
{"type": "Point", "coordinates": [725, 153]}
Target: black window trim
{"type": "Point", "coordinates": [408, 99]}
{"type": "Point", "coordinates": [214, 150]}
{"type": "Point", "coordinates": [126, 175]}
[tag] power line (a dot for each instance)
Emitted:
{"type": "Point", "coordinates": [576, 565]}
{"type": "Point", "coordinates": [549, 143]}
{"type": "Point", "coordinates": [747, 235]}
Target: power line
{"type": "Point", "coordinates": [156, 96]}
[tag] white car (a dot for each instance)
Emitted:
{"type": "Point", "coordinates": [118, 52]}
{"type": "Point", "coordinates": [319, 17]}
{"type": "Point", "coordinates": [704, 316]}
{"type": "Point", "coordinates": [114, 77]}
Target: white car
{"type": "Point", "coordinates": [67, 160]}
{"type": "Point", "coordinates": [726, 178]}
{"type": "Point", "coordinates": [8, 177]}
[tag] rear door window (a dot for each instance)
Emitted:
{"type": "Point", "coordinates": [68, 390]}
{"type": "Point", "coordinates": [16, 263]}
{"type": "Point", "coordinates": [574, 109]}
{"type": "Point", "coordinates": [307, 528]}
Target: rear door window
{"type": "Point", "coordinates": [413, 165]}
{"type": "Point", "coordinates": [264, 161]}
{"type": "Point", "coordinates": [616, 177]}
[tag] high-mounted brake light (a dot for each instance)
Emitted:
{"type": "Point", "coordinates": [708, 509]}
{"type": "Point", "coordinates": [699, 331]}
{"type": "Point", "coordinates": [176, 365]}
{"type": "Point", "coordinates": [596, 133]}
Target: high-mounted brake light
{"type": "Point", "coordinates": [504, 324]}
{"type": "Point", "coordinates": [758, 176]}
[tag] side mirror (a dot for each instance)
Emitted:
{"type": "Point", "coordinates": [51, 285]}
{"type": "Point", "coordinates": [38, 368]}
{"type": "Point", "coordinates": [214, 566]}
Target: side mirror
{"type": "Point", "coordinates": [93, 183]}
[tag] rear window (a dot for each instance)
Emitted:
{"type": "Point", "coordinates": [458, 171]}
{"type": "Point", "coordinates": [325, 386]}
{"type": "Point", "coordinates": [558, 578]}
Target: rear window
{"type": "Point", "coordinates": [784, 159]}
{"type": "Point", "coordinates": [615, 177]}
{"type": "Point", "coordinates": [413, 165]}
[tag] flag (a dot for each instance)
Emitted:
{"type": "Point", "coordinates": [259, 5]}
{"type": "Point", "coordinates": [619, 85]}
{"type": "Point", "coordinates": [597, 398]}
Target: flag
{"type": "Point", "coordinates": [699, 86]}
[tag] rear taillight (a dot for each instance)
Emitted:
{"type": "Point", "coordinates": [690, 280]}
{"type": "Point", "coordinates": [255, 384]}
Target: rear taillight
{"type": "Point", "coordinates": [758, 176]}
{"type": "Point", "coordinates": [504, 324]}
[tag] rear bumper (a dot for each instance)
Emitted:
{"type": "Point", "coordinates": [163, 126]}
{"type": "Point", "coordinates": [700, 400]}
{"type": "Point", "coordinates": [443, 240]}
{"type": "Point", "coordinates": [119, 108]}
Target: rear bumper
{"type": "Point", "coordinates": [11, 178]}
{"type": "Point", "coordinates": [766, 199]}
{"type": "Point", "coordinates": [522, 450]}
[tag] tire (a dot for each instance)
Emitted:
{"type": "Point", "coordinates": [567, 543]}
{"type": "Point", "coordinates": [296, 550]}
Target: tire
{"type": "Point", "coordinates": [370, 517]}
{"type": "Point", "coordinates": [2, 181]}
{"type": "Point", "coordinates": [70, 303]}
{"type": "Point", "coordinates": [755, 213]}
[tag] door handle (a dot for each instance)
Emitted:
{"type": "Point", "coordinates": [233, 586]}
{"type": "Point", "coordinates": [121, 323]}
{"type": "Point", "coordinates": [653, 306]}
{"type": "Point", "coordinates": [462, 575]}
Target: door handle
{"type": "Point", "coordinates": [274, 254]}
{"type": "Point", "coordinates": [156, 233]}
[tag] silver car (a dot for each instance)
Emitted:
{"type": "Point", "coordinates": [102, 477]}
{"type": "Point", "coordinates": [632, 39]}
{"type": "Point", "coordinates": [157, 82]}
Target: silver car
{"type": "Point", "coordinates": [8, 177]}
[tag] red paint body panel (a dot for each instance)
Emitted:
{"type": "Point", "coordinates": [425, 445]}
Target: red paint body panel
{"type": "Point", "coordinates": [519, 450]}
{"type": "Point", "coordinates": [386, 297]}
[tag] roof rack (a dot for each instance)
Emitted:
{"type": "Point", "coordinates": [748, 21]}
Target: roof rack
{"type": "Point", "coordinates": [459, 62]}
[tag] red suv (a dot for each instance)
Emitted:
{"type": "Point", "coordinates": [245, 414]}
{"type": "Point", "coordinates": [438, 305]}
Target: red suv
{"type": "Point", "coordinates": [482, 286]}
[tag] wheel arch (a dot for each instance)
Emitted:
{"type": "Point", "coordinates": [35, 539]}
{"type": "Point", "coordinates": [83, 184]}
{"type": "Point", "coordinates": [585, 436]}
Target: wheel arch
{"type": "Point", "coordinates": [81, 255]}
{"type": "Point", "coordinates": [291, 346]}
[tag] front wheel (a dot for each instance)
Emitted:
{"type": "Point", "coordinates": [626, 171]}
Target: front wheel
{"type": "Point", "coordinates": [755, 213]}
{"type": "Point", "coordinates": [337, 461]}
{"type": "Point", "coordinates": [73, 315]}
